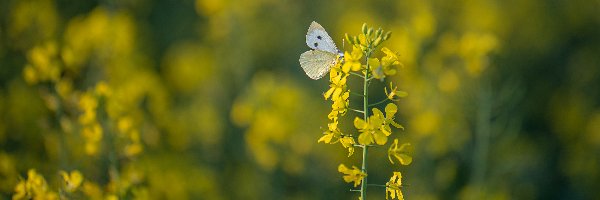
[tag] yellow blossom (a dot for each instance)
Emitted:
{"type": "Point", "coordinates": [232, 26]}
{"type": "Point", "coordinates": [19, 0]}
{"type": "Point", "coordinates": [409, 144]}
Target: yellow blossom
{"type": "Point", "coordinates": [352, 175]}
{"type": "Point", "coordinates": [370, 132]}
{"type": "Point", "coordinates": [394, 92]}
{"type": "Point", "coordinates": [334, 135]}
{"type": "Point", "coordinates": [35, 187]}
{"type": "Point", "coordinates": [339, 106]}
{"type": "Point", "coordinates": [72, 180]}
{"type": "Point", "coordinates": [390, 59]}
{"type": "Point", "coordinates": [377, 127]}
{"type": "Point", "coordinates": [352, 60]}
{"type": "Point", "coordinates": [330, 134]}
{"type": "Point", "coordinates": [390, 112]}
{"type": "Point", "coordinates": [348, 143]}
{"type": "Point", "coordinates": [400, 153]}
{"type": "Point", "coordinates": [337, 87]}
{"type": "Point", "coordinates": [393, 187]}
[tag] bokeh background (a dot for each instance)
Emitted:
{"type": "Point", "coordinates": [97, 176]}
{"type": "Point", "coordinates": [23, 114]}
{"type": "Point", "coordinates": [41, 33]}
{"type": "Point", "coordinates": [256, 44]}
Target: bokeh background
{"type": "Point", "coordinates": [206, 99]}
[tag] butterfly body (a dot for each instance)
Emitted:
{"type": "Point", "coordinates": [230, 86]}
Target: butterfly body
{"type": "Point", "coordinates": [317, 62]}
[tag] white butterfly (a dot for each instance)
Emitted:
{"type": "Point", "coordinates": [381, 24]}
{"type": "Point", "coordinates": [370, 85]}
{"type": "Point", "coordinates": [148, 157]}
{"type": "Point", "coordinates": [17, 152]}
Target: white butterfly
{"type": "Point", "coordinates": [316, 63]}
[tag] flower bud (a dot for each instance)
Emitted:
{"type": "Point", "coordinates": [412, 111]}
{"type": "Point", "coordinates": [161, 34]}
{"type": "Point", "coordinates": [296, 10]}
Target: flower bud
{"type": "Point", "coordinates": [363, 47]}
{"type": "Point", "coordinates": [378, 32]}
{"type": "Point", "coordinates": [364, 28]}
{"type": "Point", "coordinates": [349, 39]}
{"type": "Point", "coordinates": [356, 40]}
{"type": "Point", "coordinates": [377, 41]}
{"type": "Point", "coordinates": [369, 32]}
{"type": "Point", "coordinates": [387, 35]}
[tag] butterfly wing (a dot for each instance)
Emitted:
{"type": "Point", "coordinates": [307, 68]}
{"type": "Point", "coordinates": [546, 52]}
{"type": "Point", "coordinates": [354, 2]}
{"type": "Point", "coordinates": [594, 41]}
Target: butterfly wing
{"type": "Point", "coordinates": [318, 39]}
{"type": "Point", "coordinates": [316, 63]}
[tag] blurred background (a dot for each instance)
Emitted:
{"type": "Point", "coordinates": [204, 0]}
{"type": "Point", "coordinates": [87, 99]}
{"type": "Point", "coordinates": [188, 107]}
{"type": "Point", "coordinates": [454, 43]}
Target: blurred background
{"type": "Point", "coordinates": [206, 99]}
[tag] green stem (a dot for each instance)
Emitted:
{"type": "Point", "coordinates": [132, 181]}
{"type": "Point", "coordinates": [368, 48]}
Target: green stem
{"type": "Point", "coordinates": [363, 186]}
{"type": "Point", "coordinates": [356, 74]}
{"type": "Point", "coordinates": [355, 110]}
{"type": "Point", "coordinates": [380, 102]}
{"type": "Point", "coordinates": [377, 185]}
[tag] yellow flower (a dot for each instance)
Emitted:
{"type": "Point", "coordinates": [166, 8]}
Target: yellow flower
{"type": "Point", "coordinates": [348, 143]}
{"type": "Point", "coordinates": [376, 69]}
{"type": "Point", "coordinates": [394, 92]}
{"type": "Point", "coordinates": [370, 132]}
{"type": "Point", "coordinates": [334, 135]}
{"type": "Point", "coordinates": [352, 175]}
{"type": "Point", "coordinates": [34, 187]}
{"type": "Point", "coordinates": [103, 89]}
{"type": "Point", "coordinates": [390, 58]}
{"type": "Point", "coordinates": [352, 60]}
{"type": "Point", "coordinates": [330, 134]}
{"type": "Point", "coordinates": [393, 187]}
{"type": "Point", "coordinates": [390, 112]}
{"type": "Point", "coordinates": [72, 180]}
{"type": "Point", "coordinates": [337, 86]}
{"type": "Point", "coordinates": [377, 127]}
{"type": "Point", "coordinates": [389, 62]}
{"type": "Point", "coordinates": [88, 104]}
{"type": "Point", "coordinates": [400, 153]}
{"type": "Point", "coordinates": [340, 105]}
{"type": "Point", "coordinates": [20, 190]}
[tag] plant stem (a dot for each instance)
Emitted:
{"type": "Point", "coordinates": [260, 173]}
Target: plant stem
{"type": "Point", "coordinates": [377, 185]}
{"type": "Point", "coordinates": [355, 110]}
{"type": "Point", "coordinates": [357, 74]}
{"type": "Point", "coordinates": [380, 102]}
{"type": "Point", "coordinates": [363, 186]}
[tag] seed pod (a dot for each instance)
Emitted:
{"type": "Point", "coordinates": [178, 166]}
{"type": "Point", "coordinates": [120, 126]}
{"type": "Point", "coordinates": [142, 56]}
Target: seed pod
{"type": "Point", "coordinates": [387, 35]}
{"type": "Point", "coordinates": [364, 28]}
{"type": "Point", "coordinates": [349, 39]}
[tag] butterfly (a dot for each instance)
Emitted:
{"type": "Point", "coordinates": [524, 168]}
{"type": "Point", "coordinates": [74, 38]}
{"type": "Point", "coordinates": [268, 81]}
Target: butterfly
{"type": "Point", "coordinates": [317, 62]}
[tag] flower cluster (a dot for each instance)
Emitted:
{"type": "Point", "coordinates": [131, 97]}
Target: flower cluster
{"type": "Point", "coordinates": [35, 187]}
{"type": "Point", "coordinates": [372, 129]}
{"type": "Point", "coordinates": [339, 94]}
{"type": "Point", "coordinates": [44, 64]}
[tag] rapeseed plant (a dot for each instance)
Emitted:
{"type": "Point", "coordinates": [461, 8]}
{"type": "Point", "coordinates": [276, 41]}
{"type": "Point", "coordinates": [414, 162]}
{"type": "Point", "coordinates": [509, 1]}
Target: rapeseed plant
{"type": "Point", "coordinates": [373, 129]}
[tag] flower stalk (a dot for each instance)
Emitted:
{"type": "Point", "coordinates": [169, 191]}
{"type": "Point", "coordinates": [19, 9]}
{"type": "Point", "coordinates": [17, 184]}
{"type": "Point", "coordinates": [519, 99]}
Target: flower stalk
{"type": "Point", "coordinates": [365, 153]}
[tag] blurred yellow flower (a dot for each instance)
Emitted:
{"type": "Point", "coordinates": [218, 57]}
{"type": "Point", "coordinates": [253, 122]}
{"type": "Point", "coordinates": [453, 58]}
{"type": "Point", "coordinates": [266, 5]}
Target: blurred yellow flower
{"type": "Point", "coordinates": [88, 104]}
{"type": "Point", "coordinates": [393, 187]}
{"type": "Point", "coordinates": [72, 180]}
{"type": "Point", "coordinates": [376, 69]}
{"type": "Point", "coordinates": [352, 175]}
{"type": "Point", "coordinates": [390, 112]}
{"type": "Point", "coordinates": [400, 153]}
{"type": "Point", "coordinates": [35, 187]}
{"type": "Point", "coordinates": [394, 92]}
